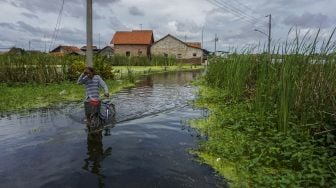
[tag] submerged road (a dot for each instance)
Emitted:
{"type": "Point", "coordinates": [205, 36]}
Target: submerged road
{"type": "Point", "coordinates": [147, 147]}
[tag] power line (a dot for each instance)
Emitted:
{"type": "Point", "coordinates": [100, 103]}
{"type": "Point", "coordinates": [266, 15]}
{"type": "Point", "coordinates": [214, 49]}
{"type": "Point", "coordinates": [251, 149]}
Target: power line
{"type": "Point", "coordinates": [235, 12]}
{"type": "Point", "coordinates": [242, 5]}
{"type": "Point", "coordinates": [57, 27]}
{"type": "Point", "coordinates": [237, 2]}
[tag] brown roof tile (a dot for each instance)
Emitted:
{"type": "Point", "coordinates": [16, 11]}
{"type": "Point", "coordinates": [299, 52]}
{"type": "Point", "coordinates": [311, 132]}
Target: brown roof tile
{"type": "Point", "coordinates": [194, 44]}
{"type": "Point", "coordinates": [67, 49]}
{"type": "Point", "coordinates": [133, 37]}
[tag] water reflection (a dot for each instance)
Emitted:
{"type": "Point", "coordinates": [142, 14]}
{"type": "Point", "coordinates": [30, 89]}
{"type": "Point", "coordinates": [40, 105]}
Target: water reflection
{"type": "Point", "coordinates": [42, 148]}
{"type": "Point", "coordinates": [96, 154]}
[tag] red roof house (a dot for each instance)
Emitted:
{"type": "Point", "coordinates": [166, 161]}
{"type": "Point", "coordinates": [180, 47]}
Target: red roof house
{"type": "Point", "coordinates": [133, 43]}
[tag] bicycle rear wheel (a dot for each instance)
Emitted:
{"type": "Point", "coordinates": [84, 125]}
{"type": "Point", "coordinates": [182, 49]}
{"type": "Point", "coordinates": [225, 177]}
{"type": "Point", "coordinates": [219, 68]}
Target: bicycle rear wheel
{"type": "Point", "coordinates": [95, 120]}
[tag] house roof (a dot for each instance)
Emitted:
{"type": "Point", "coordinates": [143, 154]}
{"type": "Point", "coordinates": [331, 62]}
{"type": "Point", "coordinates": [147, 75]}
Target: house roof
{"type": "Point", "coordinates": [68, 49]}
{"type": "Point", "coordinates": [194, 44]}
{"type": "Point", "coordinates": [133, 37]}
{"type": "Point", "coordinates": [83, 48]}
{"type": "Point", "coordinates": [189, 44]}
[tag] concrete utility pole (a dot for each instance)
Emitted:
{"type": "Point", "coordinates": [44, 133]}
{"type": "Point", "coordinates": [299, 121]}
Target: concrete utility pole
{"type": "Point", "coordinates": [202, 37]}
{"type": "Point", "coordinates": [269, 33]}
{"type": "Point", "coordinates": [216, 39]}
{"type": "Point", "coordinates": [99, 41]}
{"type": "Point", "coordinates": [89, 54]}
{"type": "Point", "coordinates": [202, 46]}
{"type": "Point", "coordinates": [45, 43]}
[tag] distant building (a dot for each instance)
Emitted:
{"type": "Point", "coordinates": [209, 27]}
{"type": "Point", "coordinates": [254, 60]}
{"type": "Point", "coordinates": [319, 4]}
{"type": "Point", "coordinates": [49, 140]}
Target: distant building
{"type": "Point", "coordinates": [106, 51]}
{"type": "Point", "coordinates": [94, 49]}
{"type": "Point", "coordinates": [172, 46]}
{"type": "Point", "coordinates": [133, 43]}
{"type": "Point", "coordinates": [34, 52]}
{"type": "Point", "coordinates": [224, 54]}
{"type": "Point", "coordinates": [65, 50]}
{"type": "Point", "coordinates": [16, 51]}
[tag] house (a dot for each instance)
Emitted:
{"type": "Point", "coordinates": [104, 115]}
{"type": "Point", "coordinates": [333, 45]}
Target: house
{"type": "Point", "coordinates": [65, 50]}
{"type": "Point", "coordinates": [16, 51]}
{"type": "Point", "coordinates": [172, 46]}
{"type": "Point", "coordinates": [133, 43]}
{"type": "Point", "coordinates": [223, 54]}
{"type": "Point", "coordinates": [94, 49]}
{"type": "Point", "coordinates": [106, 51]}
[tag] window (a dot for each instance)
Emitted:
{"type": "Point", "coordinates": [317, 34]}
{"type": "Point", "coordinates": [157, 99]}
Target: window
{"type": "Point", "coordinates": [165, 55]}
{"type": "Point", "coordinates": [179, 56]}
{"type": "Point", "coordinates": [194, 54]}
{"type": "Point", "coordinates": [128, 53]}
{"type": "Point", "coordinates": [139, 52]}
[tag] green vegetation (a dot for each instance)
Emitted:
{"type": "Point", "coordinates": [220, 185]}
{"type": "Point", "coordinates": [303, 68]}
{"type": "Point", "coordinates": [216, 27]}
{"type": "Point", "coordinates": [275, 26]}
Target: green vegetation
{"type": "Point", "coordinates": [40, 80]}
{"type": "Point", "coordinates": [30, 68]}
{"type": "Point", "coordinates": [29, 96]}
{"type": "Point", "coordinates": [272, 123]}
{"type": "Point", "coordinates": [121, 60]}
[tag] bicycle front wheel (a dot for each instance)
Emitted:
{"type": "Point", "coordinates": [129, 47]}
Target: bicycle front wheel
{"type": "Point", "coordinates": [95, 121]}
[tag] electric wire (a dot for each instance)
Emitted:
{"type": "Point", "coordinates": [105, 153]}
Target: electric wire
{"type": "Point", "coordinates": [236, 12]}
{"type": "Point", "coordinates": [57, 27]}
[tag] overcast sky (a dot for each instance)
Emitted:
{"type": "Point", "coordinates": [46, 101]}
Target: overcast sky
{"type": "Point", "coordinates": [233, 21]}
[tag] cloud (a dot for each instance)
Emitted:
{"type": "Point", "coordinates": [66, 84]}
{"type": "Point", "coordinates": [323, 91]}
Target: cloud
{"type": "Point", "coordinates": [116, 24]}
{"type": "Point", "coordinates": [47, 6]}
{"type": "Point", "coordinates": [37, 5]}
{"type": "Point", "coordinates": [29, 15]}
{"type": "Point", "coordinates": [308, 20]}
{"type": "Point", "coordinates": [187, 26]}
{"type": "Point", "coordinates": [104, 2]}
{"type": "Point", "coordinates": [135, 11]}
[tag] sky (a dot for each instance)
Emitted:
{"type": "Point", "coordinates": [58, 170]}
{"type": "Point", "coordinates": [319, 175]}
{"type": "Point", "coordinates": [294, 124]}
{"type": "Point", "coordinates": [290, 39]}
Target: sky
{"type": "Point", "coordinates": [32, 23]}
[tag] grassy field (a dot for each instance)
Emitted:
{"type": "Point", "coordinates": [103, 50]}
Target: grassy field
{"type": "Point", "coordinates": [39, 80]}
{"type": "Point", "coordinates": [23, 96]}
{"type": "Point", "coordinates": [121, 71]}
{"type": "Point", "coordinates": [29, 96]}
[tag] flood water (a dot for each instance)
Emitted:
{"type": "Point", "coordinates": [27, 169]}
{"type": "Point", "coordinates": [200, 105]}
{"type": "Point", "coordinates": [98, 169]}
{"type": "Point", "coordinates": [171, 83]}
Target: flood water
{"type": "Point", "coordinates": [147, 146]}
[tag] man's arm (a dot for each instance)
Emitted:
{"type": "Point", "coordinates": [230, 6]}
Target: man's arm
{"type": "Point", "coordinates": [103, 84]}
{"type": "Point", "coordinates": [82, 79]}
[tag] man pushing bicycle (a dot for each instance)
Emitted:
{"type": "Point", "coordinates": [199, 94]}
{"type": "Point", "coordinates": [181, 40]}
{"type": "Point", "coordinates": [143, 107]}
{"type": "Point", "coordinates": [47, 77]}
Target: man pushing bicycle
{"type": "Point", "coordinates": [92, 83]}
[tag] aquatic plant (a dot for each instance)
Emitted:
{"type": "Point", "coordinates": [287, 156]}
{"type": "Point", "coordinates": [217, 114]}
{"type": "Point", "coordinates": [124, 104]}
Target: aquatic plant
{"type": "Point", "coordinates": [272, 116]}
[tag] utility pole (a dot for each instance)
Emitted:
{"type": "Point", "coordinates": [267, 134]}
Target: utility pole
{"type": "Point", "coordinates": [269, 32]}
{"type": "Point", "coordinates": [140, 27]}
{"type": "Point", "coordinates": [45, 43]}
{"type": "Point", "coordinates": [29, 44]}
{"type": "Point", "coordinates": [202, 46]}
{"type": "Point", "coordinates": [99, 41]}
{"type": "Point", "coordinates": [202, 37]}
{"type": "Point", "coordinates": [216, 39]}
{"type": "Point", "coordinates": [89, 38]}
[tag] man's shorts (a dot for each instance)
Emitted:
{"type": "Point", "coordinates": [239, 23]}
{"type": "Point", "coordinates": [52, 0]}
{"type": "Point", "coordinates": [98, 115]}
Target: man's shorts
{"type": "Point", "coordinates": [90, 109]}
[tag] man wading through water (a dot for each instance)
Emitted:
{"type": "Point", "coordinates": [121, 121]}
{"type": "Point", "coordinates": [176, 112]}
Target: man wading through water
{"type": "Point", "coordinates": [92, 83]}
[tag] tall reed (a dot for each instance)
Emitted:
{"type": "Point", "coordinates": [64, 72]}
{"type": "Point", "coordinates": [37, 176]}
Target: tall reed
{"type": "Point", "coordinates": [295, 89]}
{"type": "Point", "coordinates": [35, 68]}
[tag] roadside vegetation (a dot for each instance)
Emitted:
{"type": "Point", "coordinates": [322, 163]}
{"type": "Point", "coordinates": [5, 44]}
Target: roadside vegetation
{"type": "Point", "coordinates": [272, 119]}
{"type": "Point", "coordinates": [40, 80]}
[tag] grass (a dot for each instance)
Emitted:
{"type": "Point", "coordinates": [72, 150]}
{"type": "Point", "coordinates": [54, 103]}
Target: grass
{"type": "Point", "coordinates": [29, 96]}
{"type": "Point", "coordinates": [121, 71]}
{"type": "Point", "coordinates": [251, 153]}
{"type": "Point", "coordinates": [272, 118]}
{"type": "Point", "coordinates": [39, 80]}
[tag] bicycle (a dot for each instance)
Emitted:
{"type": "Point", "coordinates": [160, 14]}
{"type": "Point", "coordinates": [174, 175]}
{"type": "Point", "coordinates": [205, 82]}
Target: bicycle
{"type": "Point", "coordinates": [101, 117]}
